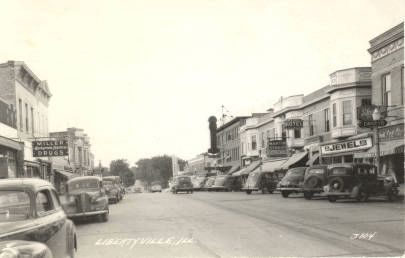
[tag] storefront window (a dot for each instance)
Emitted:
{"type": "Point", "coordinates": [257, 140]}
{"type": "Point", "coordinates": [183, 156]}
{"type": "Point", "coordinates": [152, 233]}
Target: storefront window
{"type": "Point", "coordinates": [348, 158]}
{"type": "Point", "coordinates": [347, 112]}
{"type": "Point", "coordinates": [297, 133]}
{"type": "Point", "coordinates": [337, 159]}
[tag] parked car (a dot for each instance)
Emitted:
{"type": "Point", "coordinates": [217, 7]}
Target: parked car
{"type": "Point", "coordinates": [261, 181]}
{"type": "Point", "coordinates": [314, 181]}
{"type": "Point", "coordinates": [156, 187]}
{"type": "Point", "coordinates": [359, 181]}
{"type": "Point", "coordinates": [221, 183]}
{"type": "Point", "coordinates": [292, 181]}
{"type": "Point", "coordinates": [198, 183]}
{"type": "Point", "coordinates": [85, 197]}
{"type": "Point", "coordinates": [18, 248]}
{"type": "Point", "coordinates": [208, 184]}
{"type": "Point", "coordinates": [182, 184]}
{"type": "Point", "coordinates": [30, 210]}
{"type": "Point", "coordinates": [112, 188]}
{"type": "Point", "coordinates": [138, 189]}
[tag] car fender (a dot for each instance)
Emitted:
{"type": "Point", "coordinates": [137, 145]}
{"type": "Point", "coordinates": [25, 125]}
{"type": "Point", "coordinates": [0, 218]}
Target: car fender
{"type": "Point", "coordinates": [71, 236]}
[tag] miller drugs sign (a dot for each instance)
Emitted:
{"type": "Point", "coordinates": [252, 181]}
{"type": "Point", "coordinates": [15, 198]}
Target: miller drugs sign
{"type": "Point", "coordinates": [347, 146]}
{"type": "Point", "coordinates": [50, 148]}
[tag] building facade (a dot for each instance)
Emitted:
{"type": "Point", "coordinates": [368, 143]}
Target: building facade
{"type": "Point", "coordinates": [29, 96]}
{"type": "Point", "coordinates": [228, 141]}
{"type": "Point", "coordinates": [387, 62]}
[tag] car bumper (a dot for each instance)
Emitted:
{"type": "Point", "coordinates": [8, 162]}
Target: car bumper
{"type": "Point", "coordinates": [85, 214]}
{"type": "Point", "coordinates": [291, 189]}
{"type": "Point", "coordinates": [184, 189]}
{"type": "Point", "coordinates": [250, 189]}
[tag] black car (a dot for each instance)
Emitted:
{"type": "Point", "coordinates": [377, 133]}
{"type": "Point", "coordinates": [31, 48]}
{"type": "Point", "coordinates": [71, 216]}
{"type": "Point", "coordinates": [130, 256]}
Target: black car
{"type": "Point", "coordinates": [182, 184]}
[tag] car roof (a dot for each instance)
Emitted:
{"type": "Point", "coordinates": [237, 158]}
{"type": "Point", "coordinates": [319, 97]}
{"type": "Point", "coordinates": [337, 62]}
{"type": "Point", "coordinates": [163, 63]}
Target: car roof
{"type": "Point", "coordinates": [24, 183]}
{"type": "Point", "coordinates": [349, 165]}
{"type": "Point", "coordinates": [80, 178]}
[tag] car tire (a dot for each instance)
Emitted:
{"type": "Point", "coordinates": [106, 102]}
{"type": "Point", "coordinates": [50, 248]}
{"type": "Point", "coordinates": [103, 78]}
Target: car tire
{"type": "Point", "coordinates": [248, 191]}
{"type": "Point", "coordinates": [312, 182]}
{"type": "Point", "coordinates": [308, 195]}
{"type": "Point", "coordinates": [332, 198]}
{"type": "Point", "coordinates": [285, 194]}
{"type": "Point", "coordinates": [392, 195]}
{"type": "Point", "coordinates": [191, 192]}
{"type": "Point", "coordinates": [339, 181]}
{"type": "Point", "coordinates": [271, 191]}
{"type": "Point", "coordinates": [104, 217]}
{"type": "Point", "coordinates": [362, 196]}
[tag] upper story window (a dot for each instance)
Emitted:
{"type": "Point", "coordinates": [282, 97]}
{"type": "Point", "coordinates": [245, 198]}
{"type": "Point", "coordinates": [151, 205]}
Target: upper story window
{"type": "Point", "coordinates": [262, 139]}
{"type": "Point", "coordinates": [366, 102]}
{"type": "Point", "coordinates": [347, 112]}
{"type": "Point", "coordinates": [386, 87]}
{"type": "Point", "coordinates": [20, 110]}
{"type": "Point", "coordinates": [334, 122]}
{"type": "Point", "coordinates": [402, 85]}
{"type": "Point", "coordinates": [326, 116]}
{"type": "Point", "coordinates": [32, 121]}
{"type": "Point", "coordinates": [311, 125]}
{"type": "Point", "coordinates": [26, 118]}
{"type": "Point", "coordinates": [297, 133]}
{"type": "Point", "coordinates": [254, 143]}
{"type": "Point", "coordinates": [274, 133]}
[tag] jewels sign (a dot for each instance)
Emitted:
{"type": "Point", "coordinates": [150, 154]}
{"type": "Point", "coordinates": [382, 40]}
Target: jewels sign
{"type": "Point", "coordinates": [50, 148]}
{"type": "Point", "coordinates": [346, 146]}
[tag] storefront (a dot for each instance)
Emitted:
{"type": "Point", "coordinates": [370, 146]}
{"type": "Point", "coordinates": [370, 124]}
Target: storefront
{"type": "Point", "coordinates": [391, 145]}
{"type": "Point", "coordinates": [11, 158]}
{"type": "Point", "coordinates": [343, 151]}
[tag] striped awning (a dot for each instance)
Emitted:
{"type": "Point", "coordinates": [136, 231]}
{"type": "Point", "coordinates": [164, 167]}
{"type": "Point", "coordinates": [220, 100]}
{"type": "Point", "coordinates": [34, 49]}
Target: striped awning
{"type": "Point", "coordinates": [271, 166]}
{"type": "Point", "coordinates": [248, 169]}
{"type": "Point", "coordinates": [294, 159]}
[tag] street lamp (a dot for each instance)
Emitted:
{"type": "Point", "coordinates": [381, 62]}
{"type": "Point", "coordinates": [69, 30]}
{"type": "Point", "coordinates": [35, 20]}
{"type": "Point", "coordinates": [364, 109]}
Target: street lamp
{"type": "Point", "coordinates": [376, 117]}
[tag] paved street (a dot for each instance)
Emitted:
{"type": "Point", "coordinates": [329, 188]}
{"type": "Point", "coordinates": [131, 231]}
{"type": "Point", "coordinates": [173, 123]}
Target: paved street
{"type": "Point", "coordinates": [210, 224]}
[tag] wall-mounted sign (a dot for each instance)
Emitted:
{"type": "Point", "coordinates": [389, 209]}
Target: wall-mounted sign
{"type": "Point", "coordinates": [276, 148]}
{"type": "Point", "coordinates": [390, 133]}
{"type": "Point", "coordinates": [365, 116]}
{"type": "Point", "coordinates": [50, 148]}
{"type": "Point", "coordinates": [293, 123]}
{"type": "Point", "coordinates": [347, 146]}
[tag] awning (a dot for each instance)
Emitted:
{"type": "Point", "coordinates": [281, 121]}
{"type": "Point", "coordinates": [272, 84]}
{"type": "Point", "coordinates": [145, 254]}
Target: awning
{"type": "Point", "coordinates": [10, 143]}
{"type": "Point", "coordinates": [294, 159]}
{"type": "Point", "coordinates": [311, 161]}
{"type": "Point", "coordinates": [234, 168]}
{"type": "Point", "coordinates": [248, 169]}
{"type": "Point", "coordinates": [64, 173]}
{"type": "Point", "coordinates": [270, 166]}
{"type": "Point", "coordinates": [386, 148]}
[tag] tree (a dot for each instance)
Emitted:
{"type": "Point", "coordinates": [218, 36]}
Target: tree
{"type": "Point", "coordinates": [120, 167]}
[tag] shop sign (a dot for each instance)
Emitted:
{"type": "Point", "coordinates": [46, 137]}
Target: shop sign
{"type": "Point", "coordinates": [276, 148]}
{"type": "Point", "coordinates": [293, 123]}
{"type": "Point", "coordinates": [50, 148]}
{"type": "Point", "coordinates": [365, 116]}
{"type": "Point", "coordinates": [347, 146]}
{"type": "Point", "coordinates": [391, 133]}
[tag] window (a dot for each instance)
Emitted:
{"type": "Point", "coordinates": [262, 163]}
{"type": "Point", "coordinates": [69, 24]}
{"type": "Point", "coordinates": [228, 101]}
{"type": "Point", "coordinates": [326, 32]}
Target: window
{"type": "Point", "coordinates": [311, 125]}
{"type": "Point", "coordinates": [386, 83]}
{"type": "Point", "coordinates": [326, 116]}
{"type": "Point", "coordinates": [44, 202]}
{"type": "Point", "coordinates": [254, 143]}
{"type": "Point", "coordinates": [402, 85]}
{"type": "Point", "coordinates": [297, 133]}
{"type": "Point", "coordinates": [262, 139]}
{"type": "Point", "coordinates": [32, 121]}
{"type": "Point", "coordinates": [347, 112]}
{"type": "Point", "coordinates": [21, 114]}
{"type": "Point", "coordinates": [274, 133]}
{"type": "Point", "coordinates": [334, 114]}
{"type": "Point", "coordinates": [366, 102]}
{"type": "Point", "coordinates": [268, 134]}
{"type": "Point", "coordinates": [26, 117]}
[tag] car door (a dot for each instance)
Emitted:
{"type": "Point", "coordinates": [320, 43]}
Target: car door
{"type": "Point", "coordinates": [51, 221]}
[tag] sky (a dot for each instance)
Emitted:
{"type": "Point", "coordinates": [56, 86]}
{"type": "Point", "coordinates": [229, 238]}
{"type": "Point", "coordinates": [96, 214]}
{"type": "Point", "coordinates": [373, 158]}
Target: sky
{"type": "Point", "coordinates": [142, 77]}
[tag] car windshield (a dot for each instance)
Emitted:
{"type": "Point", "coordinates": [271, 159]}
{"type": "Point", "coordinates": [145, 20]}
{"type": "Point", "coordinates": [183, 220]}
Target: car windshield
{"type": "Point", "coordinates": [14, 206]}
{"type": "Point", "coordinates": [340, 171]}
{"type": "Point", "coordinates": [107, 182]}
{"type": "Point", "coordinates": [314, 171]}
{"type": "Point", "coordinates": [295, 172]}
{"type": "Point", "coordinates": [183, 179]}
{"type": "Point", "coordinates": [84, 184]}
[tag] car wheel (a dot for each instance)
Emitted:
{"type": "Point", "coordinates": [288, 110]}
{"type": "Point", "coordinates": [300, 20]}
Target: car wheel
{"type": "Point", "coordinates": [308, 195]}
{"type": "Point", "coordinates": [264, 190]}
{"type": "Point", "coordinates": [362, 196]}
{"type": "Point", "coordinates": [191, 192]}
{"type": "Point", "coordinates": [104, 217]}
{"type": "Point", "coordinates": [392, 195]}
{"type": "Point", "coordinates": [332, 198]}
{"type": "Point", "coordinates": [271, 191]}
{"type": "Point", "coordinates": [285, 194]}
{"type": "Point", "coordinates": [248, 191]}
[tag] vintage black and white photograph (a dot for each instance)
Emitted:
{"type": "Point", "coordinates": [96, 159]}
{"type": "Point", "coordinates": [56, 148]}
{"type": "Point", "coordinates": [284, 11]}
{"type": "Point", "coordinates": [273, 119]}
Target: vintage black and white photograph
{"type": "Point", "coordinates": [202, 128]}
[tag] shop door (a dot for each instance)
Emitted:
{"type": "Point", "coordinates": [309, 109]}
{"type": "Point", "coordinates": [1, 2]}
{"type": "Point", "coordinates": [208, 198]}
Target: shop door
{"type": "Point", "coordinates": [3, 167]}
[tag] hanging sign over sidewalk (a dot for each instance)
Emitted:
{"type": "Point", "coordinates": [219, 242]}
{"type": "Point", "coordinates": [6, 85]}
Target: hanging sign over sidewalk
{"type": "Point", "coordinates": [50, 148]}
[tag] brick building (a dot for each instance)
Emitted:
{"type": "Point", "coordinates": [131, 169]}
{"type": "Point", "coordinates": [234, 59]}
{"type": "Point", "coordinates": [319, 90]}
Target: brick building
{"type": "Point", "coordinates": [29, 97]}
